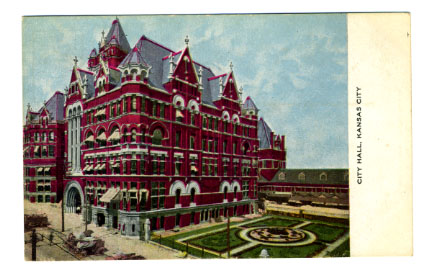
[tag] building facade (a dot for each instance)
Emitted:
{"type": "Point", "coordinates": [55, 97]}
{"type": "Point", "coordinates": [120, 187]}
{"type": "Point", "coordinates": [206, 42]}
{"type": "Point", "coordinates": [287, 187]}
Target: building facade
{"type": "Point", "coordinates": [318, 187]}
{"type": "Point", "coordinates": [152, 134]}
{"type": "Point", "coordinates": [44, 148]}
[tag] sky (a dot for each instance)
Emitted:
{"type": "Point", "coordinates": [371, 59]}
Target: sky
{"type": "Point", "coordinates": [294, 67]}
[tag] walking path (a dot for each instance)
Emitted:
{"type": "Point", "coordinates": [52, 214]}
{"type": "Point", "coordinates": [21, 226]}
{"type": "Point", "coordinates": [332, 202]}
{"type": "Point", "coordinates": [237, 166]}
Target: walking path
{"type": "Point", "coordinates": [333, 246]}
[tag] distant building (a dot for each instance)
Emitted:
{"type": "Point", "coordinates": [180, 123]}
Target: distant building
{"type": "Point", "coordinates": [44, 151]}
{"type": "Point", "coordinates": [320, 187]}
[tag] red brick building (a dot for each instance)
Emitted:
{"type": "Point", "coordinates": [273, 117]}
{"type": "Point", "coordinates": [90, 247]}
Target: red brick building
{"type": "Point", "coordinates": [153, 134]}
{"type": "Point", "coordinates": [44, 148]}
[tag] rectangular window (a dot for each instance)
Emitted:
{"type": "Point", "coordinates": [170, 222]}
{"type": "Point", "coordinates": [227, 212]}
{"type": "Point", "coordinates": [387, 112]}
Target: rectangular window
{"type": "Point", "coordinates": [125, 167]}
{"type": "Point", "coordinates": [216, 145]}
{"type": "Point", "coordinates": [133, 106]}
{"type": "Point", "coordinates": [234, 148]}
{"type": "Point", "coordinates": [204, 144]}
{"type": "Point", "coordinates": [142, 105]}
{"type": "Point", "coordinates": [162, 111]}
{"type": "Point", "coordinates": [154, 114]}
{"type": "Point", "coordinates": [235, 128]}
{"type": "Point", "coordinates": [162, 165]}
{"type": "Point", "coordinates": [216, 124]}
{"type": "Point", "coordinates": [210, 149]}
{"type": "Point", "coordinates": [133, 167]}
{"type": "Point", "coordinates": [204, 122]}
{"type": "Point", "coordinates": [125, 105]}
{"type": "Point", "coordinates": [44, 151]}
{"type": "Point", "coordinates": [193, 119]}
{"type": "Point", "coordinates": [210, 123]}
{"type": "Point", "coordinates": [154, 161]}
{"type": "Point", "coordinates": [224, 146]}
{"type": "Point", "coordinates": [225, 127]}
{"type": "Point", "coordinates": [51, 151]}
{"type": "Point", "coordinates": [192, 142]}
{"type": "Point", "coordinates": [177, 168]}
{"type": "Point", "coordinates": [118, 109]}
{"type": "Point", "coordinates": [142, 165]}
{"type": "Point", "coordinates": [178, 139]}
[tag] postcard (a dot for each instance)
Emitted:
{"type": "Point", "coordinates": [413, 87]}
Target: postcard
{"type": "Point", "coordinates": [234, 136]}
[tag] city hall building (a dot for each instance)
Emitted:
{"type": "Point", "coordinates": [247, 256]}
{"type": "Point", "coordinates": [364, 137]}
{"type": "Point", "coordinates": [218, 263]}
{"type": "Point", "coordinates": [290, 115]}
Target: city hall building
{"type": "Point", "coordinates": [150, 133]}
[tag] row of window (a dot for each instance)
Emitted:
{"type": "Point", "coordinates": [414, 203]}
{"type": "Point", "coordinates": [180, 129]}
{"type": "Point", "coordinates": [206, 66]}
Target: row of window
{"type": "Point", "coordinates": [39, 137]}
{"type": "Point", "coordinates": [39, 151]}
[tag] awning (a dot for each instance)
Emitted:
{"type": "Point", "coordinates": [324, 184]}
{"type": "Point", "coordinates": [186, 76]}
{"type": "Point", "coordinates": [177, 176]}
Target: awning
{"type": "Point", "coordinates": [86, 167]}
{"type": "Point", "coordinates": [110, 195]}
{"type": "Point", "coordinates": [40, 169]}
{"type": "Point", "coordinates": [89, 168]}
{"type": "Point", "coordinates": [100, 112]}
{"type": "Point", "coordinates": [115, 136]}
{"type": "Point", "coordinates": [46, 170]}
{"type": "Point", "coordinates": [89, 139]}
{"type": "Point", "coordinates": [116, 165]}
{"type": "Point", "coordinates": [97, 167]}
{"type": "Point", "coordinates": [25, 149]}
{"type": "Point", "coordinates": [194, 168]}
{"type": "Point", "coordinates": [102, 167]}
{"type": "Point", "coordinates": [101, 137]}
{"type": "Point", "coordinates": [36, 148]}
{"type": "Point", "coordinates": [179, 114]}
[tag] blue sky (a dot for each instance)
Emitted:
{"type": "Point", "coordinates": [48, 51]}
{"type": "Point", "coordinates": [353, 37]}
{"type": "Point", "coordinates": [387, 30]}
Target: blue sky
{"type": "Point", "coordinates": [293, 66]}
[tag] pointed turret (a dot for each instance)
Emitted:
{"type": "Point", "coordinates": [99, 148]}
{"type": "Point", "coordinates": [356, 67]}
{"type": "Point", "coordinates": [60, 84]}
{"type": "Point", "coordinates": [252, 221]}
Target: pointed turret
{"type": "Point", "coordinates": [92, 62]}
{"type": "Point", "coordinates": [116, 35]}
{"type": "Point", "coordinates": [249, 107]}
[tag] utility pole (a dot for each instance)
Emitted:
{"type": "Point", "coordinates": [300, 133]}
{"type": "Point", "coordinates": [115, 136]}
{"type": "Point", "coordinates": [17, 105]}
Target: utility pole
{"type": "Point", "coordinates": [33, 245]}
{"type": "Point", "coordinates": [62, 209]}
{"type": "Point", "coordinates": [228, 236]}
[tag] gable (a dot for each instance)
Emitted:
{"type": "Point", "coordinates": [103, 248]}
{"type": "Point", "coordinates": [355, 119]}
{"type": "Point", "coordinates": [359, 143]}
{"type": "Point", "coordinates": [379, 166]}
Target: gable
{"type": "Point", "coordinates": [185, 69]}
{"type": "Point", "coordinates": [230, 89]}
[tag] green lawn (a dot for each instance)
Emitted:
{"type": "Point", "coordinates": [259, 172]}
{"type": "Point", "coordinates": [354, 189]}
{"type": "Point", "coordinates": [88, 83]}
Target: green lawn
{"type": "Point", "coordinates": [341, 251]}
{"type": "Point", "coordinates": [325, 232]}
{"type": "Point", "coordinates": [218, 241]}
{"type": "Point", "coordinates": [285, 252]}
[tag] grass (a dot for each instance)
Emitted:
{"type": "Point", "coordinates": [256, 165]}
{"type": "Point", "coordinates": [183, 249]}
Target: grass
{"type": "Point", "coordinates": [341, 251]}
{"type": "Point", "coordinates": [218, 241]}
{"type": "Point", "coordinates": [284, 252]}
{"type": "Point", "coordinates": [325, 232]}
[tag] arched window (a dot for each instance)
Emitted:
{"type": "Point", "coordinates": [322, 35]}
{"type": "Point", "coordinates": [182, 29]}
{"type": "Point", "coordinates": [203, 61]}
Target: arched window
{"type": "Point", "coordinates": [192, 194]}
{"type": "Point", "coordinates": [323, 176]}
{"type": "Point", "coordinates": [225, 192]}
{"type": "Point", "coordinates": [235, 192]}
{"type": "Point", "coordinates": [177, 196]}
{"type": "Point", "coordinates": [301, 176]}
{"type": "Point", "coordinates": [51, 136]}
{"type": "Point", "coordinates": [157, 137]}
{"type": "Point", "coordinates": [245, 148]}
{"type": "Point", "coordinates": [89, 140]}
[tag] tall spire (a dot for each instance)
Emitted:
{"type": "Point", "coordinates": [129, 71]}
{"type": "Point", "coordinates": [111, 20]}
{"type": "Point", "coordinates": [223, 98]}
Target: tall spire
{"type": "Point", "coordinates": [117, 32]}
{"type": "Point", "coordinates": [186, 40]}
{"type": "Point", "coordinates": [75, 61]}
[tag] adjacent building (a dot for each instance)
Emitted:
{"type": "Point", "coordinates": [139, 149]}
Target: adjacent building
{"type": "Point", "coordinates": [44, 149]}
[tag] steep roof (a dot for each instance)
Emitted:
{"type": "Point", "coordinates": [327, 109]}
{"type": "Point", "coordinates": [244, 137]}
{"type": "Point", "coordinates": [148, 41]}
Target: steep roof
{"type": "Point", "coordinates": [90, 81]}
{"type": "Point", "coordinates": [264, 134]}
{"type": "Point", "coordinates": [312, 176]}
{"type": "Point", "coordinates": [134, 57]}
{"type": "Point", "coordinates": [93, 53]}
{"type": "Point", "coordinates": [249, 104]}
{"type": "Point", "coordinates": [117, 35]}
{"type": "Point", "coordinates": [55, 106]}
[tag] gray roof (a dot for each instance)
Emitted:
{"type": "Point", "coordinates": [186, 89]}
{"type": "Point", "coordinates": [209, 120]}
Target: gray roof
{"type": "Point", "coordinates": [249, 104]}
{"type": "Point", "coordinates": [312, 176]}
{"type": "Point", "coordinates": [116, 32]}
{"type": "Point", "coordinates": [90, 82]}
{"type": "Point", "coordinates": [55, 107]}
{"type": "Point", "coordinates": [93, 53]}
{"type": "Point", "coordinates": [264, 134]}
{"type": "Point", "coordinates": [134, 57]}
{"type": "Point", "coordinates": [114, 77]}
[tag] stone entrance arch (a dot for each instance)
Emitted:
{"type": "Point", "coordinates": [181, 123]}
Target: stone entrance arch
{"type": "Point", "coordinates": [74, 198]}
